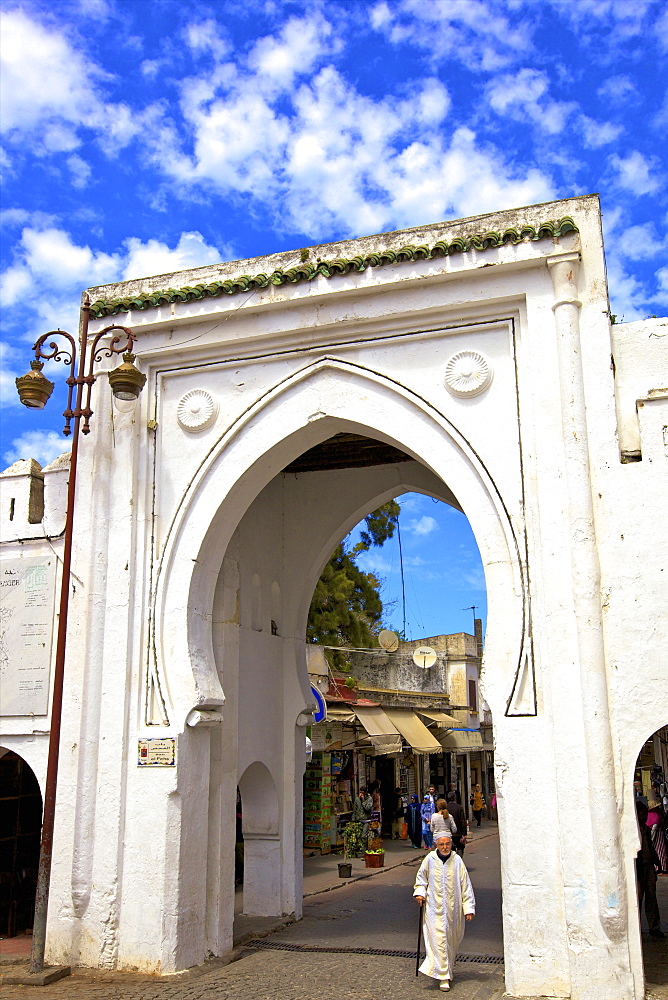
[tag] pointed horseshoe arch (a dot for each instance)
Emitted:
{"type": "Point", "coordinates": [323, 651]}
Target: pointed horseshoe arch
{"type": "Point", "coordinates": [320, 400]}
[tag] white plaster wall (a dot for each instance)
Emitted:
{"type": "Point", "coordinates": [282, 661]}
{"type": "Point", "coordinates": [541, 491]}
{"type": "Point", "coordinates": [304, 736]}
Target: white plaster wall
{"type": "Point", "coordinates": [569, 539]}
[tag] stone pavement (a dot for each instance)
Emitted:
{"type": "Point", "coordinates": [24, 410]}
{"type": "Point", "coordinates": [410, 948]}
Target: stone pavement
{"type": "Point", "coordinates": [321, 875]}
{"type": "Point", "coordinates": [288, 964]}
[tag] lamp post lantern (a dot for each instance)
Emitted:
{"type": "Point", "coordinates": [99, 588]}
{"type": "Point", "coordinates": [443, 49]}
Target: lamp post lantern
{"type": "Point", "coordinates": [34, 390]}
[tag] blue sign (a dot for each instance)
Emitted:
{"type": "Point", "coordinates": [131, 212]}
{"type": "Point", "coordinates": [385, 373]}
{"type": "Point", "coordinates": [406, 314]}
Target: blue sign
{"type": "Point", "coordinates": [321, 712]}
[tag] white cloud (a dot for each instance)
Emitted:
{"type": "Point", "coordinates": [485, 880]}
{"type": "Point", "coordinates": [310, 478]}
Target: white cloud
{"type": "Point", "coordinates": [49, 260]}
{"type": "Point", "coordinates": [642, 242]}
{"type": "Point", "coordinates": [373, 562]}
{"type": "Point", "coordinates": [619, 18]}
{"type": "Point", "coordinates": [41, 288]}
{"type": "Point", "coordinates": [619, 90]}
{"type": "Point", "coordinates": [473, 32]}
{"type": "Point", "coordinates": [205, 36]}
{"type": "Point", "coordinates": [155, 257]}
{"type": "Point", "coordinates": [524, 96]}
{"type": "Point", "coordinates": [11, 361]}
{"type": "Point", "coordinates": [301, 42]}
{"type": "Point", "coordinates": [423, 526]}
{"type": "Point", "coordinates": [634, 173]}
{"type": "Point", "coordinates": [43, 75]}
{"type": "Point", "coordinates": [597, 134]}
{"type": "Point", "coordinates": [661, 295]}
{"type": "Point", "coordinates": [52, 87]}
{"type": "Point", "coordinates": [43, 446]}
{"type": "Point", "coordinates": [661, 30]}
{"type": "Point", "coordinates": [80, 171]}
{"type": "Point", "coordinates": [628, 296]}
{"type": "Point", "coordinates": [21, 217]}
{"type": "Point", "coordinates": [324, 158]}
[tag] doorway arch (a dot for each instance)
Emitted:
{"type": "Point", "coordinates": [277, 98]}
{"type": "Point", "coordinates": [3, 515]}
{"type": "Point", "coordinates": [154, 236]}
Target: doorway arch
{"type": "Point", "coordinates": [20, 831]}
{"type": "Point", "coordinates": [260, 828]}
{"type": "Point", "coordinates": [648, 785]}
{"type": "Point", "coordinates": [212, 652]}
{"type": "Point", "coordinates": [323, 399]}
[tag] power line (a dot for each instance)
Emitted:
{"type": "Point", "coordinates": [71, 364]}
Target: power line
{"type": "Point", "coordinates": [403, 584]}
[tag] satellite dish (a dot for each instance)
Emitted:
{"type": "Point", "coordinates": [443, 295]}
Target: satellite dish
{"type": "Point", "coordinates": [425, 657]}
{"type": "Point", "coordinates": [389, 641]}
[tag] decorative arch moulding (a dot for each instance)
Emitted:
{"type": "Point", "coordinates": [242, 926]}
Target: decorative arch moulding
{"type": "Point", "coordinates": [550, 229]}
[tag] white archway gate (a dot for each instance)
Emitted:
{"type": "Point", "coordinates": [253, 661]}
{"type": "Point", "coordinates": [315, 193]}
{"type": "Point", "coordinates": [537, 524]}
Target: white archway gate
{"type": "Point", "coordinates": [495, 382]}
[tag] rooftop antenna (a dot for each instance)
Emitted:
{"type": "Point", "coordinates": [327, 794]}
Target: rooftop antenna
{"type": "Point", "coordinates": [473, 608]}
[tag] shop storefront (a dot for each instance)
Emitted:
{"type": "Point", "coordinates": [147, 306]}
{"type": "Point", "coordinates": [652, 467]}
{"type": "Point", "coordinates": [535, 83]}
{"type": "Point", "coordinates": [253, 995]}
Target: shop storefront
{"type": "Point", "coordinates": [358, 746]}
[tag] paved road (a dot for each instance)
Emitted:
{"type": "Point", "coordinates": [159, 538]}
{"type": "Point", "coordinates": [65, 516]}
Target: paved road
{"type": "Point", "coordinates": [380, 912]}
{"type": "Point", "coordinates": [377, 913]}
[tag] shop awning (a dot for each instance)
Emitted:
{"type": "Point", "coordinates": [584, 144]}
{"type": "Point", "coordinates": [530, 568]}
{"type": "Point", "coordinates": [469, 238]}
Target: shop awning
{"type": "Point", "coordinates": [440, 718]}
{"type": "Point", "coordinates": [384, 736]}
{"type": "Point", "coordinates": [339, 714]}
{"type": "Point", "coordinates": [460, 740]}
{"type": "Point", "coordinates": [413, 731]}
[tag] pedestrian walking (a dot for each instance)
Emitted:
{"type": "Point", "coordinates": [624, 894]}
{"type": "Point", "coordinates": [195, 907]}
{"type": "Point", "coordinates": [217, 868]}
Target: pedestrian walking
{"type": "Point", "coordinates": [426, 812]}
{"type": "Point", "coordinates": [444, 889]}
{"type": "Point", "coordinates": [362, 809]}
{"type": "Point", "coordinates": [647, 864]}
{"type": "Point", "coordinates": [442, 822]}
{"type": "Point", "coordinates": [656, 824]}
{"type": "Point", "coordinates": [456, 810]}
{"type": "Point", "coordinates": [478, 803]}
{"type": "Point", "coordinates": [414, 821]}
{"type": "Point", "coordinates": [398, 814]}
{"type": "Point", "coordinates": [640, 797]}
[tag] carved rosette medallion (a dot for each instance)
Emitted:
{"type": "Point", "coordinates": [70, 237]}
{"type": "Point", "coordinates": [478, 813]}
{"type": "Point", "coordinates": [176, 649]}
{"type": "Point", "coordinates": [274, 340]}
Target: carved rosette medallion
{"type": "Point", "coordinates": [196, 410]}
{"type": "Point", "coordinates": [467, 373]}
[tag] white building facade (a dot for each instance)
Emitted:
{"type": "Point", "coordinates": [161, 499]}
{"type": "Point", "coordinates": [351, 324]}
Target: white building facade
{"type": "Point", "coordinates": [480, 349]}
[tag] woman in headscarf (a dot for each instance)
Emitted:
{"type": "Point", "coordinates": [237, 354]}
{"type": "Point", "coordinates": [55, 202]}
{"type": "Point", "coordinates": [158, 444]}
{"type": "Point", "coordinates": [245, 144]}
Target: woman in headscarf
{"type": "Point", "coordinates": [414, 821]}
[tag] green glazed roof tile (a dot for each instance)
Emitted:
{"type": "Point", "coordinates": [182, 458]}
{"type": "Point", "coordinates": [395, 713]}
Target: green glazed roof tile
{"type": "Point", "coordinates": [331, 268]}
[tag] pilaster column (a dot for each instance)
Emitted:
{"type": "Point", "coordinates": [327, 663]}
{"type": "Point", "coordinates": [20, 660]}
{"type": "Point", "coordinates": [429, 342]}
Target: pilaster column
{"type": "Point", "coordinates": [586, 588]}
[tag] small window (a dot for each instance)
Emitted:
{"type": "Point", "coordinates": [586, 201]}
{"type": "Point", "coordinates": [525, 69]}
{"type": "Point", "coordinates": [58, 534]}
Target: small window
{"type": "Point", "coordinates": [473, 697]}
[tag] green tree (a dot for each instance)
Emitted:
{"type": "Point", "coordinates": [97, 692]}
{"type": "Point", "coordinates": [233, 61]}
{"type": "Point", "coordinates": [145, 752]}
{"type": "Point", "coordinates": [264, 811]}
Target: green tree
{"type": "Point", "coordinates": [346, 609]}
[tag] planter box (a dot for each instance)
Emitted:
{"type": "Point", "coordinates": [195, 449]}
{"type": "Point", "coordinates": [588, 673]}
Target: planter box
{"type": "Point", "coordinates": [374, 860]}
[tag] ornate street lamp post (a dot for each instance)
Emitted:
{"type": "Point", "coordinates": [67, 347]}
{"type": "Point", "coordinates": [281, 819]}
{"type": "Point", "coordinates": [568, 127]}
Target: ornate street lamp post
{"type": "Point", "coordinates": [34, 390]}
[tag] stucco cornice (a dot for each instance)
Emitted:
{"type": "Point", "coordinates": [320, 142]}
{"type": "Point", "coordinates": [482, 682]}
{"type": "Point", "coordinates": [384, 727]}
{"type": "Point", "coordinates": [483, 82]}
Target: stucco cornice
{"type": "Point", "coordinates": [330, 268]}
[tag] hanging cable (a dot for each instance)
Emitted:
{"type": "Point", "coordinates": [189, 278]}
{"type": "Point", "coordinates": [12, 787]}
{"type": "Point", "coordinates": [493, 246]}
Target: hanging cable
{"type": "Point", "coordinates": [403, 584]}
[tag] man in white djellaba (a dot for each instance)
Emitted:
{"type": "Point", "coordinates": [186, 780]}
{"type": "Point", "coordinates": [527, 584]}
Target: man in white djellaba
{"type": "Point", "coordinates": [444, 888]}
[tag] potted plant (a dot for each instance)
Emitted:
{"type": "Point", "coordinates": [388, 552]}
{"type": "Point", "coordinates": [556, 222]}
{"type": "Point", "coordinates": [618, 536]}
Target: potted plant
{"type": "Point", "coordinates": [354, 840]}
{"type": "Point", "coordinates": [374, 858]}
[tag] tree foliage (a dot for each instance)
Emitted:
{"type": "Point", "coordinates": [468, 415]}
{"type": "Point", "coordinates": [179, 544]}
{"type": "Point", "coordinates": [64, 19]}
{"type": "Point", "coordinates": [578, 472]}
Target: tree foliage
{"type": "Point", "coordinates": [346, 609]}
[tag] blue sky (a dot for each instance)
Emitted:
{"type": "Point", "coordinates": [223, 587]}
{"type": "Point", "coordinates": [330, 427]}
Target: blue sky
{"type": "Point", "coordinates": [145, 136]}
{"type": "Point", "coordinates": [443, 574]}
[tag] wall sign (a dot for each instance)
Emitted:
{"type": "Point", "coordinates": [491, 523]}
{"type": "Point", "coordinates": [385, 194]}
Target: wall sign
{"type": "Point", "coordinates": [157, 753]}
{"type": "Point", "coordinates": [27, 592]}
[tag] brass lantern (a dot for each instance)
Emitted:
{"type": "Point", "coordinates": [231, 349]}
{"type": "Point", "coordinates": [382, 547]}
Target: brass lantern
{"type": "Point", "coordinates": [126, 381]}
{"type": "Point", "coordinates": [34, 388]}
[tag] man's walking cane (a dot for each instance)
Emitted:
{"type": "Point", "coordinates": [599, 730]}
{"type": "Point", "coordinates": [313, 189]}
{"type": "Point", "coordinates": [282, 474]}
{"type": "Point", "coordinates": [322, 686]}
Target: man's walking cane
{"type": "Point", "coordinates": [417, 957]}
